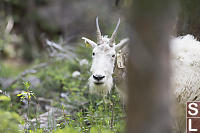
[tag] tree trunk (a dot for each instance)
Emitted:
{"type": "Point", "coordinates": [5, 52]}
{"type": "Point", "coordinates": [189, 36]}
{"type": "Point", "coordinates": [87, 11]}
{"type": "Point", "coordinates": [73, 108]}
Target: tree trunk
{"type": "Point", "coordinates": [189, 18]}
{"type": "Point", "coordinates": [149, 66]}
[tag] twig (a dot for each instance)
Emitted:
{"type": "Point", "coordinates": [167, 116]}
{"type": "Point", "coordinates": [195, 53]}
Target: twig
{"type": "Point", "coordinates": [112, 116]}
{"type": "Point", "coordinates": [57, 51]}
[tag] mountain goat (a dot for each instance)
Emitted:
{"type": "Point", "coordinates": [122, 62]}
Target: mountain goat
{"type": "Point", "coordinates": [185, 55]}
{"type": "Point", "coordinates": [185, 61]}
{"type": "Point", "coordinates": [104, 59]}
{"type": "Point", "coordinates": [185, 78]}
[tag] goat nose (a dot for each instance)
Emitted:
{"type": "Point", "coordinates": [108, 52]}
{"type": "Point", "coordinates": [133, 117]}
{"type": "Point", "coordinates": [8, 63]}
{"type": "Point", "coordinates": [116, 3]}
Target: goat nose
{"type": "Point", "coordinates": [98, 77]}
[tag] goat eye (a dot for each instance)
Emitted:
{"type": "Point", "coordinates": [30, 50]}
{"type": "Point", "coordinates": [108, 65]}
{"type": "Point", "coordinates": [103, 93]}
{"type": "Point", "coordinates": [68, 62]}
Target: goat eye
{"type": "Point", "coordinates": [113, 55]}
{"type": "Point", "coordinates": [93, 53]}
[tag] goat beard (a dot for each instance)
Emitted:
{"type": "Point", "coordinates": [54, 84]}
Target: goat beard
{"type": "Point", "coordinates": [102, 89]}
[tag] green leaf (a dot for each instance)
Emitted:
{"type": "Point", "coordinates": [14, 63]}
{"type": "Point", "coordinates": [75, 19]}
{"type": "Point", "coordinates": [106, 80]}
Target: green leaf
{"type": "Point", "coordinates": [4, 98]}
{"type": "Point", "coordinates": [19, 95]}
{"type": "Point", "coordinates": [29, 96]}
{"type": "Point", "coordinates": [88, 45]}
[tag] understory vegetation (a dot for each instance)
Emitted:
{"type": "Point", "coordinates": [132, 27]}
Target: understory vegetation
{"type": "Point", "coordinates": [56, 98]}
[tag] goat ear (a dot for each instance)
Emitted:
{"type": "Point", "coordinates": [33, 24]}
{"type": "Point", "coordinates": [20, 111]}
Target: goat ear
{"type": "Point", "coordinates": [121, 44]}
{"type": "Point", "coordinates": [90, 42]}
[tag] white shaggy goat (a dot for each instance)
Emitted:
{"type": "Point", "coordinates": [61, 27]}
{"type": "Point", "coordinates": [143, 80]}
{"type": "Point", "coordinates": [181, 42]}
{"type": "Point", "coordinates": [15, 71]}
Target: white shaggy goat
{"type": "Point", "coordinates": [185, 60]}
{"type": "Point", "coordinates": [104, 55]}
{"type": "Point", "coordinates": [185, 55]}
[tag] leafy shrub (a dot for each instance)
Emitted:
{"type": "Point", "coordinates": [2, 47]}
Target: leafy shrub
{"type": "Point", "coordinates": [66, 130]}
{"type": "Point", "coordinates": [4, 102]}
{"type": "Point", "coordinates": [9, 122]}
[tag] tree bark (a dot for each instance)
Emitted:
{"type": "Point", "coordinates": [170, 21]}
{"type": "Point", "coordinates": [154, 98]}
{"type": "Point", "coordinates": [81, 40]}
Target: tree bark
{"type": "Point", "coordinates": [149, 66]}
